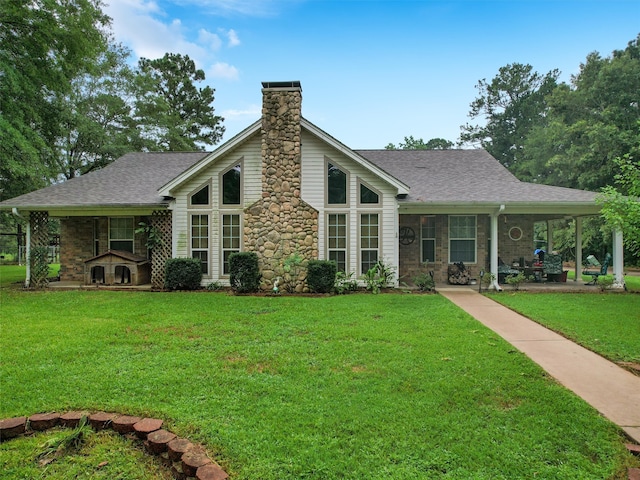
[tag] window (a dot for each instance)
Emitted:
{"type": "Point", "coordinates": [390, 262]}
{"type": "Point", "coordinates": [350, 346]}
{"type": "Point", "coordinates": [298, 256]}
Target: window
{"type": "Point", "coordinates": [368, 196]}
{"type": "Point", "coordinates": [200, 240]}
{"type": "Point", "coordinates": [232, 186]}
{"type": "Point", "coordinates": [201, 197]}
{"type": "Point", "coordinates": [230, 239]}
{"type": "Point", "coordinates": [336, 185]}
{"type": "Point", "coordinates": [428, 238]}
{"type": "Point", "coordinates": [369, 241]}
{"type": "Point", "coordinates": [121, 234]}
{"type": "Point", "coordinates": [337, 239]}
{"type": "Point", "coordinates": [462, 238]}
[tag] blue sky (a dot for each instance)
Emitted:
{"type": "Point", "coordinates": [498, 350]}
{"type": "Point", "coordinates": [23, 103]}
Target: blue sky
{"type": "Point", "coordinates": [372, 72]}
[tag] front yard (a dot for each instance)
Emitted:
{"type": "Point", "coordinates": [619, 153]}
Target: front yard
{"type": "Point", "coordinates": [356, 386]}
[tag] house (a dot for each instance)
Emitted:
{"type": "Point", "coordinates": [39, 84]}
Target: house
{"type": "Point", "coordinates": [284, 186]}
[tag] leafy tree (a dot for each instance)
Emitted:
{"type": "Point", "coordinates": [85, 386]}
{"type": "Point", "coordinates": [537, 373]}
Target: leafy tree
{"type": "Point", "coordinates": [411, 143]}
{"type": "Point", "coordinates": [590, 123]}
{"type": "Point", "coordinates": [621, 206]}
{"type": "Point", "coordinates": [44, 44]}
{"type": "Point", "coordinates": [173, 114]}
{"type": "Point", "coordinates": [97, 125]}
{"type": "Point", "coordinates": [511, 105]}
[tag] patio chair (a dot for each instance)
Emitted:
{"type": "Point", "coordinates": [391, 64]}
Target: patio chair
{"type": "Point", "coordinates": [595, 269]}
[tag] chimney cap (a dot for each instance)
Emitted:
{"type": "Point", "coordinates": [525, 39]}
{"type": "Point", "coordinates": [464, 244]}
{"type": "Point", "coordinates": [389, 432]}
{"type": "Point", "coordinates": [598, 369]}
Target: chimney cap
{"type": "Point", "coordinates": [290, 85]}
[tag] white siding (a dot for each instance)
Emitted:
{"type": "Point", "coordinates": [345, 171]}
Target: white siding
{"type": "Point", "coordinates": [314, 156]}
{"type": "Point", "coordinates": [249, 155]}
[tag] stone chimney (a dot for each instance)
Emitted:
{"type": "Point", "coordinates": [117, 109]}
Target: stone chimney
{"type": "Point", "coordinates": [281, 224]}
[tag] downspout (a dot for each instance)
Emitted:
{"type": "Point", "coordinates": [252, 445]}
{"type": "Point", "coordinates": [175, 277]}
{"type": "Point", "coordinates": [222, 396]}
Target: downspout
{"type": "Point", "coordinates": [27, 280]}
{"type": "Point", "coordinates": [494, 248]}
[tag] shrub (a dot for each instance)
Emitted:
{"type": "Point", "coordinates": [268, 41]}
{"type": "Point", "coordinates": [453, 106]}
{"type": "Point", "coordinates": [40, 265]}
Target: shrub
{"type": "Point", "coordinates": [605, 282]}
{"type": "Point", "coordinates": [516, 280]}
{"type": "Point", "coordinates": [379, 276]}
{"type": "Point", "coordinates": [424, 282]}
{"type": "Point", "coordinates": [292, 267]}
{"type": "Point", "coordinates": [321, 275]}
{"type": "Point", "coordinates": [345, 283]}
{"type": "Point", "coordinates": [182, 274]}
{"type": "Point", "coordinates": [244, 273]}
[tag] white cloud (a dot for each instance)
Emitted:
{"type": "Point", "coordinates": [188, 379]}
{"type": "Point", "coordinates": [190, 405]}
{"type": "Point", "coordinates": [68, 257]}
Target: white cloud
{"type": "Point", "coordinates": [252, 111]}
{"type": "Point", "coordinates": [148, 30]}
{"type": "Point", "coordinates": [234, 41]}
{"type": "Point", "coordinates": [223, 70]}
{"type": "Point", "coordinates": [212, 40]}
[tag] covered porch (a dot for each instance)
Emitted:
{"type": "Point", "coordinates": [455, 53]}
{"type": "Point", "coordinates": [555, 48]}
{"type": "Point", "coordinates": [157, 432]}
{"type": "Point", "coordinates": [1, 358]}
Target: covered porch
{"type": "Point", "coordinates": [496, 240]}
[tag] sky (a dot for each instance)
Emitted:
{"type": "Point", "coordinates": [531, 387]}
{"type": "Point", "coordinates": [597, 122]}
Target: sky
{"type": "Point", "coordinates": [372, 72]}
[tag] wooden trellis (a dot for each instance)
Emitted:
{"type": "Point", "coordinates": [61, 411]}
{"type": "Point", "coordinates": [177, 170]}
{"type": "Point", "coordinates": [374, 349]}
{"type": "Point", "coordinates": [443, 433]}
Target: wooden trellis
{"type": "Point", "coordinates": [38, 246]}
{"type": "Point", "coordinates": [161, 221]}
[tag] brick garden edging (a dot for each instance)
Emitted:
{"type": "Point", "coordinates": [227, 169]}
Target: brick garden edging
{"type": "Point", "coordinates": [186, 460]}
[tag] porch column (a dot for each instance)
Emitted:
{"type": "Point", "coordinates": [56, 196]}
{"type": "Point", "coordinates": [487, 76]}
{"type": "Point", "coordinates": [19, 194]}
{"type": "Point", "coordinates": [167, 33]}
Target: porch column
{"type": "Point", "coordinates": [578, 267]}
{"type": "Point", "coordinates": [618, 259]}
{"type": "Point", "coordinates": [494, 248]}
{"type": "Point", "coordinates": [549, 236]}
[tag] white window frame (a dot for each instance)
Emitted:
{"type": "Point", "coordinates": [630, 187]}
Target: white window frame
{"type": "Point", "coordinates": [424, 238]}
{"type": "Point", "coordinates": [473, 238]}
{"type": "Point", "coordinates": [190, 205]}
{"type": "Point", "coordinates": [328, 161]}
{"type": "Point", "coordinates": [362, 183]}
{"type": "Point", "coordinates": [239, 163]}
{"type": "Point", "coordinates": [225, 248]}
{"type": "Point", "coordinates": [361, 247]}
{"type": "Point", "coordinates": [131, 239]}
{"type": "Point", "coordinates": [207, 248]}
{"type": "Point", "coordinates": [329, 238]}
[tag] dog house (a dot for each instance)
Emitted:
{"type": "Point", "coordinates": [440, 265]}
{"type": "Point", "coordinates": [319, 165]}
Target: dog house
{"type": "Point", "coordinates": [116, 267]}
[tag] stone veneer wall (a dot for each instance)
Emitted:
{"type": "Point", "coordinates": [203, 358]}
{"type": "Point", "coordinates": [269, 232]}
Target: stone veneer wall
{"type": "Point", "coordinates": [281, 223]}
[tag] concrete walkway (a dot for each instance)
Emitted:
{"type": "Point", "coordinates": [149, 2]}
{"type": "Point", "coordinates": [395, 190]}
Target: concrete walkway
{"type": "Point", "coordinates": [610, 389]}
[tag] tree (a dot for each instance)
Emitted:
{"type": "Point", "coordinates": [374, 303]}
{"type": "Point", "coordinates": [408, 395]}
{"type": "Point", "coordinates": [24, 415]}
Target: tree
{"type": "Point", "coordinates": [511, 105]}
{"type": "Point", "coordinates": [44, 44]}
{"type": "Point", "coordinates": [621, 206]}
{"type": "Point", "coordinates": [97, 125]}
{"type": "Point", "coordinates": [590, 123]}
{"type": "Point", "coordinates": [172, 113]}
{"type": "Point", "coordinates": [411, 143]}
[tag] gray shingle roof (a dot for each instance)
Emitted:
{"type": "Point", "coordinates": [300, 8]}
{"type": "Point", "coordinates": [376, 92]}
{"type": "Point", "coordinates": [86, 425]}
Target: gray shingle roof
{"type": "Point", "coordinates": [132, 180]}
{"type": "Point", "coordinates": [440, 176]}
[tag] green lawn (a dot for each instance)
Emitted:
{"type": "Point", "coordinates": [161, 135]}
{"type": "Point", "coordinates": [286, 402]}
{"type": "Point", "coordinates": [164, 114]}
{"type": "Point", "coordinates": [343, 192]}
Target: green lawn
{"type": "Point", "coordinates": [358, 386]}
{"type": "Point", "coordinates": [13, 274]}
{"type": "Point", "coordinates": [607, 323]}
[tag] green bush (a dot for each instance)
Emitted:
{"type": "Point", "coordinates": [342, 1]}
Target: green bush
{"type": "Point", "coordinates": [182, 274]}
{"type": "Point", "coordinates": [321, 275]}
{"type": "Point", "coordinates": [424, 282]}
{"type": "Point", "coordinates": [244, 273]}
{"type": "Point", "coordinates": [345, 283]}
